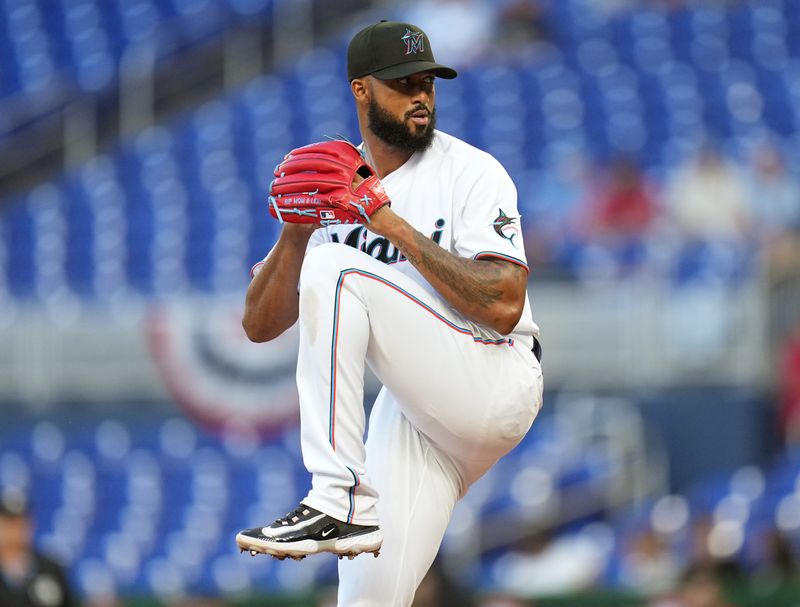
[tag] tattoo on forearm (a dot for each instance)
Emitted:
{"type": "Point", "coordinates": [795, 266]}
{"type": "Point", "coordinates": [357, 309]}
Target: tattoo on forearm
{"type": "Point", "coordinates": [409, 254]}
{"type": "Point", "coordinates": [466, 280]}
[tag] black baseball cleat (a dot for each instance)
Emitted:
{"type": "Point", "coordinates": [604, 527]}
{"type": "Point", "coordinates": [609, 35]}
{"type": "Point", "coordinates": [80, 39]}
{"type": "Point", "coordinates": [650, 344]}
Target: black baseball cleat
{"type": "Point", "coordinates": [308, 531]}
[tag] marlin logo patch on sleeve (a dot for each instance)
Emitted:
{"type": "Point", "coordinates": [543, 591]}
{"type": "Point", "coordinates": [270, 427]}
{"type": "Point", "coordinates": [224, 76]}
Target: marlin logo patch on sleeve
{"type": "Point", "coordinates": [504, 226]}
{"type": "Point", "coordinates": [414, 42]}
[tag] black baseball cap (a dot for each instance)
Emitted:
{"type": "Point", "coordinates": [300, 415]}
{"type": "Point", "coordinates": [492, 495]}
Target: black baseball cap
{"type": "Point", "coordinates": [391, 49]}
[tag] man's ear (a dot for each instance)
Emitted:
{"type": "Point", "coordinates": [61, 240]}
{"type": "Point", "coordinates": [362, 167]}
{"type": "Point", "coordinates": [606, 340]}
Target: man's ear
{"type": "Point", "coordinates": [360, 89]}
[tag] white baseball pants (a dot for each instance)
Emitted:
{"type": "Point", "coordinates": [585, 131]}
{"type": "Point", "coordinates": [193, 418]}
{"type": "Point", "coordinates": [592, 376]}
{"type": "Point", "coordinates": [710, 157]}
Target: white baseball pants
{"type": "Point", "coordinates": [454, 401]}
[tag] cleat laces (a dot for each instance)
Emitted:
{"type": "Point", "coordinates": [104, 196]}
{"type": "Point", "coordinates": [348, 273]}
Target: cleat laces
{"type": "Point", "coordinates": [293, 516]}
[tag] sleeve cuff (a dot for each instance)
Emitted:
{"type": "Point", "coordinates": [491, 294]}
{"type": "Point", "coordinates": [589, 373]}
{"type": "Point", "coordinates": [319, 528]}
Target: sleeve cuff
{"type": "Point", "coordinates": [494, 255]}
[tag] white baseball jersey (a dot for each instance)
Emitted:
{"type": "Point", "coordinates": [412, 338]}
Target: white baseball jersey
{"type": "Point", "coordinates": [456, 396]}
{"type": "Point", "coordinates": [463, 199]}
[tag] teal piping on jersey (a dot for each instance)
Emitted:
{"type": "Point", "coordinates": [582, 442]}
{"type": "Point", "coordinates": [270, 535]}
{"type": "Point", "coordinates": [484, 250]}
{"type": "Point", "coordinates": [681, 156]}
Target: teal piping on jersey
{"type": "Point", "coordinates": [335, 338]}
{"type": "Point", "coordinates": [352, 495]}
{"type": "Point", "coordinates": [514, 260]}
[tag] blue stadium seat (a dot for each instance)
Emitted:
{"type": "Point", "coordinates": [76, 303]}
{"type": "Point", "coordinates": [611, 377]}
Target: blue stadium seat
{"type": "Point", "coordinates": [254, 120]}
{"type": "Point", "coordinates": [82, 41]}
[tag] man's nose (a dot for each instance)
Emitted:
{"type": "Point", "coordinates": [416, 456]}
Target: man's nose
{"type": "Point", "coordinates": [420, 95]}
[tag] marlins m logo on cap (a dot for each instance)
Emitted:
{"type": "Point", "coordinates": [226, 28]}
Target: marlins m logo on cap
{"type": "Point", "coordinates": [414, 42]}
{"type": "Point", "coordinates": [391, 49]}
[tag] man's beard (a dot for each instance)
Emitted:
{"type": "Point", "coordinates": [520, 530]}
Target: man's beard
{"type": "Point", "coordinates": [395, 133]}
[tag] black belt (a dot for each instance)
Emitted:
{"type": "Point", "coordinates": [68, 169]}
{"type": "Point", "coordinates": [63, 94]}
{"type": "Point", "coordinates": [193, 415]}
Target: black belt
{"type": "Point", "coordinates": [537, 349]}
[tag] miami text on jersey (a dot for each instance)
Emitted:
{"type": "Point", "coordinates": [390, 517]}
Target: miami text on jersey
{"type": "Point", "coordinates": [380, 248]}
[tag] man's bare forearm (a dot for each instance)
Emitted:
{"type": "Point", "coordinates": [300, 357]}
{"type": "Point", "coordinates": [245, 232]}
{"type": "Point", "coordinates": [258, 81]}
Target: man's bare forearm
{"type": "Point", "coordinates": [271, 304]}
{"type": "Point", "coordinates": [490, 292]}
{"type": "Point", "coordinates": [477, 283]}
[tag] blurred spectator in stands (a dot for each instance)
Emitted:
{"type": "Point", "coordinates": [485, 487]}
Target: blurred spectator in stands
{"type": "Point", "coordinates": [708, 200]}
{"type": "Point", "coordinates": [713, 240]}
{"type": "Point", "coordinates": [775, 199]}
{"type": "Point", "coordinates": [27, 578]}
{"type": "Point", "coordinates": [648, 566]}
{"type": "Point", "coordinates": [520, 23]}
{"type": "Point", "coordinates": [782, 261]}
{"type": "Point", "coordinates": [550, 205]}
{"type": "Point", "coordinates": [789, 387]}
{"type": "Point", "coordinates": [615, 221]}
{"type": "Point", "coordinates": [773, 193]}
{"type": "Point", "coordinates": [701, 587]}
{"type": "Point", "coordinates": [462, 29]}
{"type": "Point", "coordinates": [623, 207]}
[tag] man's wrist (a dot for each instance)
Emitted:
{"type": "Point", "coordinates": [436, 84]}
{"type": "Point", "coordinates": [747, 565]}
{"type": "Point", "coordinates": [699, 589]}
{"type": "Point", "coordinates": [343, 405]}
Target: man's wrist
{"type": "Point", "coordinates": [298, 232]}
{"type": "Point", "coordinates": [395, 229]}
{"type": "Point", "coordinates": [384, 222]}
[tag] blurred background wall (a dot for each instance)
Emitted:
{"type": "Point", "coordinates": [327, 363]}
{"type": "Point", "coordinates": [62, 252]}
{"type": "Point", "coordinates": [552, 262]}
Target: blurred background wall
{"type": "Point", "coordinates": [655, 145]}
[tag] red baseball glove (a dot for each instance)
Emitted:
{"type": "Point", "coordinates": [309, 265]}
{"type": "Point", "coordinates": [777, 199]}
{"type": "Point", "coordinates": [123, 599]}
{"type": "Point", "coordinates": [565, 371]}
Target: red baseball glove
{"type": "Point", "coordinates": [321, 183]}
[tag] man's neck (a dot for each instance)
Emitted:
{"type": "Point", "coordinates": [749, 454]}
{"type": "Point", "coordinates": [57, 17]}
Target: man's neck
{"type": "Point", "coordinates": [384, 158]}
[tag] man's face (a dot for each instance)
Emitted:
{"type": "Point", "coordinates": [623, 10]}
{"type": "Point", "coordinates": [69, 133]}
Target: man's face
{"type": "Point", "coordinates": [402, 111]}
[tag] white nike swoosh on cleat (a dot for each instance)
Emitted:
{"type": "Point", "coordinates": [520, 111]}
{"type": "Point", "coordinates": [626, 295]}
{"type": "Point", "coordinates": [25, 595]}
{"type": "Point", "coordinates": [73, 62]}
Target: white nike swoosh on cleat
{"type": "Point", "coordinates": [269, 532]}
{"type": "Point", "coordinates": [327, 533]}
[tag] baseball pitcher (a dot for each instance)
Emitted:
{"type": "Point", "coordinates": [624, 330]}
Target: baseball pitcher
{"type": "Point", "coordinates": [404, 254]}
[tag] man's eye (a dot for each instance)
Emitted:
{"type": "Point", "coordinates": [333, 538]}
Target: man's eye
{"type": "Point", "coordinates": [402, 80]}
